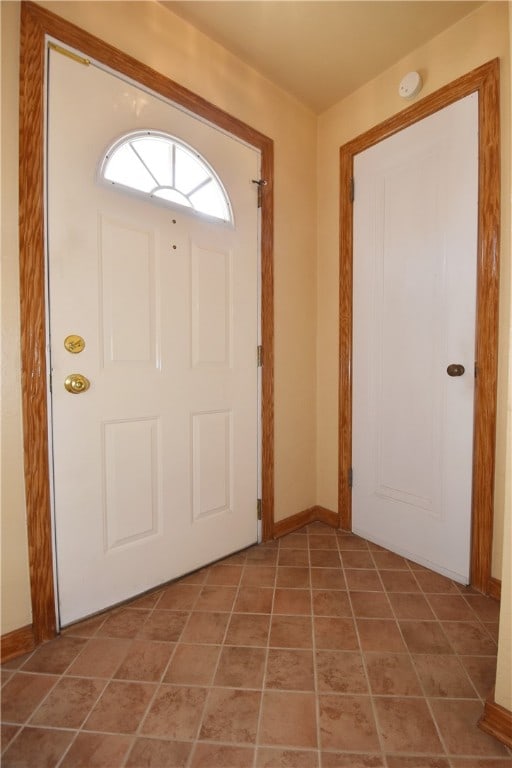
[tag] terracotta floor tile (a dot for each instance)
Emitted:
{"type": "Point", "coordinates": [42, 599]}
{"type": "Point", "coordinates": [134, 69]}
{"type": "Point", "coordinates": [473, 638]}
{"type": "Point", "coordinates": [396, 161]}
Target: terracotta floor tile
{"type": "Point", "coordinates": [433, 583]}
{"type": "Point", "coordinates": [97, 750]}
{"type": "Point", "coordinates": [392, 674]}
{"type": "Point", "coordinates": [443, 676]}
{"type": "Point", "coordinates": [248, 629]}
{"type": "Point", "coordinates": [291, 632]}
{"type": "Point", "coordinates": [8, 732]}
{"type": "Point", "coordinates": [399, 581]}
{"type": "Point", "coordinates": [145, 660]}
{"type": "Point", "coordinates": [318, 541]}
{"type": "Point", "coordinates": [482, 671]}
{"type": "Point", "coordinates": [222, 756]}
{"type": "Point", "coordinates": [292, 601]}
{"type": "Point", "coordinates": [340, 672]}
{"type": "Point", "coordinates": [216, 598]}
{"type": "Point", "coordinates": [69, 703]}
{"type": "Point", "coordinates": [146, 679]}
{"type": "Point", "coordinates": [481, 762]}
{"type": "Point", "coordinates": [99, 658]}
{"type": "Point", "coordinates": [410, 606]}
{"type": "Point", "coordinates": [425, 637]}
{"type": "Point", "coordinates": [200, 576]}
{"type": "Point", "coordinates": [192, 664]}
{"type": "Point", "coordinates": [164, 625]}
{"type": "Point", "coordinates": [335, 634]}
{"type": "Point", "coordinates": [87, 628]}
{"type": "Point", "coordinates": [347, 723]}
{"type": "Point", "coordinates": [294, 557]}
{"type": "Point", "coordinates": [259, 576]}
{"type": "Point", "coordinates": [456, 720]}
{"type": "Point", "coordinates": [327, 578]}
{"type": "Point", "coordinates": [37, 747]}
{"type": "Point", "coordinates": [240, 667]}
{"type": "Point", "coordinates": [157, 753]}
{"type": "Point", "coordinates": [324, 558]}
{"type": "Point", "coordinates": [254, 600]}
{"type": "Point", "coordinates": [120, 707]}
{"type": "Point", "coordinates": [451, 607]}
{"type": "Point", "coordinates": [371, 605]}
{"type": "Point", "coordinates": [406, 725]}
{"type": "Point", "coordinates": [269, 757]}
{"type": "Point", "coordinates": [294, 541]}
{"type": "Point", "coordinates": [262, 556]}
{"type": "Point", "coordinates": [328, 602]}
{"type": "Point", "coordinates": [380, 635]}
{"type": "Point", "coordinates": [363, 580]}
{"type": "Point", "coordinates": [292, 578]}
{"type": "Point", "coordinates": [348, 541]}
{"type": "Point", "coordinates": [485, 609]}
{"type": "Point", "coordinates": [469, 638]}
{"type": "Point", "coordinates": [385, 560]}
{"type": "Point", "coordinates": [205, 628]}
{"type": "Point", "coordinates": [226, 575]}
{"type": "Point", "coordinates": [179, 597]}
{"type": "Point", "coordinates": [148, 601]}
{"type": "Point", "coordinates": [55, 657]}
{"type": "Point", "coordinates": [175, 713]}
{"type": "Point", "coordinates": [290, 670]}
{"type": "Point", "coordinates": [124, 623]}
{"type": "Point", "coordinates": [288, 719]}
{"type": "Point", "coordinates": [357, 559]}
{"type": "Point", "coordinates": [22, 694]}
{"type": "Point", "coordinates": [417, 762]}
{"type": "Point", "coordinates": [351, 760]}
{"type": "Point", "coordinates": [231, 715]}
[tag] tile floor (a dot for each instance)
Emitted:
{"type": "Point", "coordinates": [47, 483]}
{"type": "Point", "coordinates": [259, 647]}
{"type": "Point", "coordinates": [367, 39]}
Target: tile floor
{"type": "Point", "coordinates": [320, 649]}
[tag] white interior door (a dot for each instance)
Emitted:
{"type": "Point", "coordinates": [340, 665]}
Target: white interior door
{"type": "Point", "coordinates": [155, 465]}
{"type": "Point", "coordinates": [415, 235]}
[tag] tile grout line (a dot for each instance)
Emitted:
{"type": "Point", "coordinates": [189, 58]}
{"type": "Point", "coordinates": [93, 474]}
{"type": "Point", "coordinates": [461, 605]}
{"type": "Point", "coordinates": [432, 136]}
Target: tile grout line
{"type": "Point", "coordinates": [319, 742]}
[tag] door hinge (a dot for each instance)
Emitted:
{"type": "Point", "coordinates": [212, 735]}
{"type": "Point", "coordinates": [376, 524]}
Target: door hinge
{"type": "Point", "coordinates": [260, 356]}
{"type": "Point", "coordinates": [261, 183]}
{"type": "Point", "coordinates": [351, 478]}
{"type": "Point", "coordinates": [351, 191]}
{"type": "Point", "coordinates": [258, 507]}
{"type": "Point", "coordinates": [476, 370]}
{"type": "Point", "coordinates": [69, 54]}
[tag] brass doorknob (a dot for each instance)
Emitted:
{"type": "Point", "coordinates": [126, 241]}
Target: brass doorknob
{"type": "Point", "coordinates": [76, 383]}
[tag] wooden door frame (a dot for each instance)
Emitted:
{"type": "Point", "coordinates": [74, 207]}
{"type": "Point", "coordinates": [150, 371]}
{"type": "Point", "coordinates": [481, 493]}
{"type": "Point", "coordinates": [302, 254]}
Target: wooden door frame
{"type": "Point", "coordinates": [36, 25]}
{"type": "Point", "coordinates": [485, 81]}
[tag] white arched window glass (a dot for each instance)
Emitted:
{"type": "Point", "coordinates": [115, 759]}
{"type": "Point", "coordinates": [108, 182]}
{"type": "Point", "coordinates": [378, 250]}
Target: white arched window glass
{"type": "Point", "coordinates": [161, 166]}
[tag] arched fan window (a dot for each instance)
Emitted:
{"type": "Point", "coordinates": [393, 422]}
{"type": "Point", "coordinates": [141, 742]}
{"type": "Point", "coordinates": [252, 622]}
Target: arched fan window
{"type": "Point", "coordinates": [160, 166]}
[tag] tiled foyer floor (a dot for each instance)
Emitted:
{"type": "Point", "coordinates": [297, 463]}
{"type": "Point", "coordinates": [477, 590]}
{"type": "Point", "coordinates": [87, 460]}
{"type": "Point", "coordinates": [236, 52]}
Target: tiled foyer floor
{"type": "Point", "coordinates": [320, 649]}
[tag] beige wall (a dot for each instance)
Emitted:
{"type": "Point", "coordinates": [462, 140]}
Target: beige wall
{"type": "Point", "coordinates": [170, 45]}
{"type": "Point", "coordinates": [476, 39]}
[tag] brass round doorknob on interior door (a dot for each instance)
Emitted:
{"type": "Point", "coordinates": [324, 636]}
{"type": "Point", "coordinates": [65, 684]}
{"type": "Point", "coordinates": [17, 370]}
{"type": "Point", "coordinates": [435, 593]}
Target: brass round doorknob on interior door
{"type": "Point", "coordinates": [455, 369]}
{"type": "Point", "coordinates": [76, 383]}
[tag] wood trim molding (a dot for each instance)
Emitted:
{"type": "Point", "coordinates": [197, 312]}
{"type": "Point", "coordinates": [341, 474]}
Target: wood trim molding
{"type": "Point", "coordinates": [17, 643]}
{"type": "Point", "coordinates": [497, 721]}
{"type": "Point", "coordinates": [294, 522]}
{"type": "Point", "coordinates": [36, 24]}
{"type": "Point", "coordinates": [494, 588]}
{"type": "Point", "coordinates": [485, 81]}
{"type": "Point", "coordinates": [311, 515]}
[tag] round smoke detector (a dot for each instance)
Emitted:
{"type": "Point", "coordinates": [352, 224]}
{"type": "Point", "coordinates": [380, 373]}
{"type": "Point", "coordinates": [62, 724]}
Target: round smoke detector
{"type": "Point", "coordinates": [410, 85]}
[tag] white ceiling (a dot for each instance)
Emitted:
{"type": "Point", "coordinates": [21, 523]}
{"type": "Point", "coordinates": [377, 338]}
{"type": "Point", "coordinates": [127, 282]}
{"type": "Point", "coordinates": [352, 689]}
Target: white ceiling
{"type": "Point", "coordinates": [321, 50]}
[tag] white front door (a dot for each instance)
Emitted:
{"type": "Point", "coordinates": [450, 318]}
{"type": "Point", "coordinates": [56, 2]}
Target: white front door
{"type": "Point", "coordinates": [156, 464]}
{"type": "Point", "coordinates": [415, 235]}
